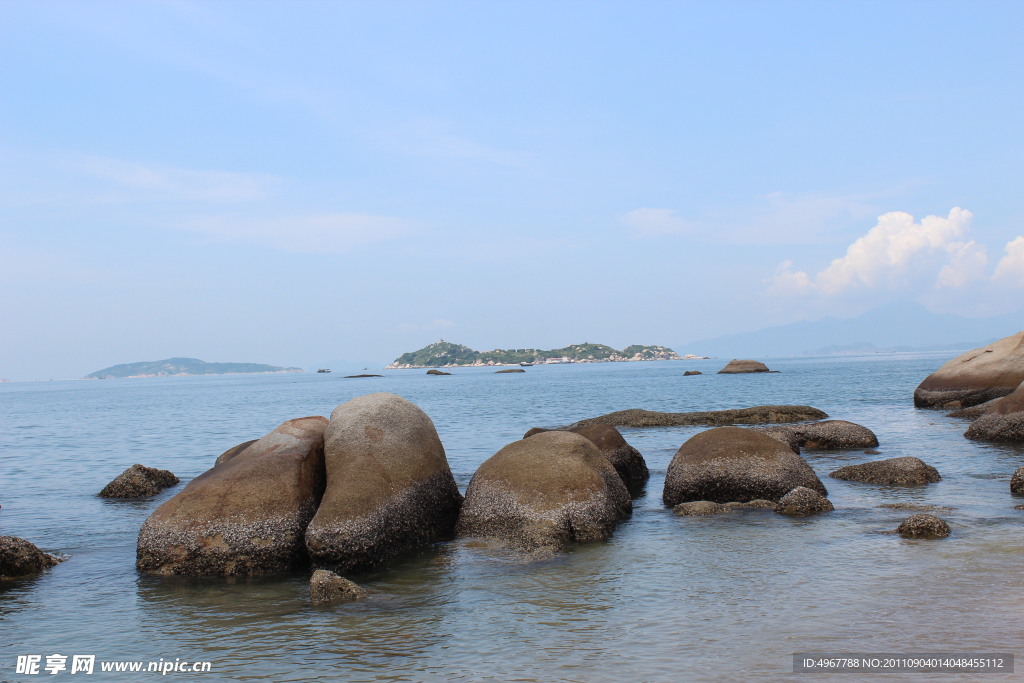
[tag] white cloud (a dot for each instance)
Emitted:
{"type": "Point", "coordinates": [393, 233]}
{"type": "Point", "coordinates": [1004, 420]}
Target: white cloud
{"type": "Point", "coordinates": [1011, 267]}
{"type": "Point", "coordinates": [321, 233]}
{"type": "Point", "coordinates": [656, 222]}
{"type": "Point", "coordinates": [898, 254]}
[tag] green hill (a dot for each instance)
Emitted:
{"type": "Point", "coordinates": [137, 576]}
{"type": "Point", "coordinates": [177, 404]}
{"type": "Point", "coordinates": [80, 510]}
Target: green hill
{"type": "Point", "coordinates": [182, 366]}
{"type": "Point", "coordinates": [447, 354]}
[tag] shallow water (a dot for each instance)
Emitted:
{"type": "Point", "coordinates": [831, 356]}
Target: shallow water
{"type": "Point", "coordinates": [667, 598]}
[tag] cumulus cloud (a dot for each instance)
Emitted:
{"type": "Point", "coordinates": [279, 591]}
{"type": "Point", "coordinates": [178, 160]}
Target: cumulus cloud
{"type": "Point", "coordinates": [1011, 267]}
{"type": "Point", "coordinates": [656, 222]}
{"type": "Point", "coordinates": [899, 253]}
{"type": "Point", "coordinates": [319, 233]}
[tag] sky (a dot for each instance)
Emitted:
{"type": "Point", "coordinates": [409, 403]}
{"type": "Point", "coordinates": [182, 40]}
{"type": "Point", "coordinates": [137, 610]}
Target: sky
{"type": "Point", "coordinates": [340, 182]}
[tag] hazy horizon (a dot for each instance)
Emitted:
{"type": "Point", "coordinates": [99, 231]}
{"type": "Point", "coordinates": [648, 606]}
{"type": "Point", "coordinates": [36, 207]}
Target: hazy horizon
{"type": "Point", "coordinates": [328, 181]}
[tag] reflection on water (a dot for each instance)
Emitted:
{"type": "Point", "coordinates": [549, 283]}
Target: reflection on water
{"type": "Point", "coordinates": [667, 598]}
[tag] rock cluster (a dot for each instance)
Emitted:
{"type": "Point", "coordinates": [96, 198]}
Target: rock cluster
{"type": "Point", "coordinates": [892, 472]}
{"type": "Point", "coordinates": [626, 460]}
{"type": "Point", "coordinates": [18, 558]}
{"type": "Point", "coordinates": [138, 481]}
{"type": "Point", "coordinates": [975, 377]}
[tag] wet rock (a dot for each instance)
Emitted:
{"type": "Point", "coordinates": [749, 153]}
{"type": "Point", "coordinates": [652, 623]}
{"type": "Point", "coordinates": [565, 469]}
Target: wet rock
{"type": "Point", "coordinates": [1003, 419]}
{"type": "Point", "coordinates": [389, 487]}
{"type": "Point", "coordinates": [138, 481]}
{"type": "Point", "coordinates": [917, 507]}
{"type": "Point", "coordinates": [626, 460]}
{"type": "Point", "coordinates": [735, 464]}
{"type": "Point", "coordinates": [824, 435]}
{"type": "Point", "coordinates": [690, 373]}
{"type": "Point", "coordinates": [870, 451]}
{"type": "Point", "coordinates": [18, 557]}
{"type": "Point", "coordinates": [892, 472]}
{"type": "Point", "coordinates": [1017, 482]}
{"type": "Point", "coordinates": [1018, 507]}
{"type": "Point", "coordinates": [923, 526]}
{"type": "Point", "coordinates": [974, 412]}
{"type": "Point", "coordinates": [700, 508]}
{"type": "Point", "coordinates": [802, 502]}
{"type": "Point", "coordinates": [358, 376]}
{"type": "Point", "coordinates": [437, 372]}
{"type": "Point", "coordinates": [735, 367]}
{"type": "Point", "coordinates": [503, 372]}
{"type": "Point", "coordinates": [636, 417]}
{"type": "Point", "coordinates": [756, 504]}
{"type": "Point", "coordinates": [975, 377]}
{"type": "Point", "coordinates": [245, 516]}
{"type": "Point", "coordinates": [233, 451]}
{"type": "Point", "coordinates": [326, 586]}
{"type": "Point", "coordinates": [551, 490]}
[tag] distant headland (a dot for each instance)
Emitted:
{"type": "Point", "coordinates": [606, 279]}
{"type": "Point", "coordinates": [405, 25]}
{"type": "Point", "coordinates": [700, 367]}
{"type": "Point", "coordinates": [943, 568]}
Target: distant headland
{"type": "Point", "coordinates": [182, 366]}
{"type": "Point", "coordinates": [447, 355]}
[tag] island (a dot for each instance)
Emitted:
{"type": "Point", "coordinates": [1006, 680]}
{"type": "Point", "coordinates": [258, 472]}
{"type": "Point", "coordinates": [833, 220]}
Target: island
{"type": "Point", "coordinates": [183, 366]}
{"type": "Point", "coordinates": [442, 354]}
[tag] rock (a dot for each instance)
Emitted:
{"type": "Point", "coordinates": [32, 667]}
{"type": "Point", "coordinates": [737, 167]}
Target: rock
{"type": "Point", "coordinates": [1003, 419]}
{"type": "Point", "coordinates": [735, 464]}
{"type": "Point", "coordinates": [545, 492]}
{"type": "Point", "coordinates": [636, 417]}
{"type": "Point", "coordinates": [690, 373]}
{"type": "Point", "coordinates": [801, 502]}
{"type": "Point", "coordinates": [917, 507]}
{"type": "Point", "coordinates": [138, 481]}
{"type": "Point", "coordinates": [246, 515]}
{"type": "Point", "coordinates": [824, 435]}
{"type": "Point", "coordinates": [1018, 507]}
{"type": "Point", "coordinates": [974, 412]}
{"type": "Point", "coordinates": [232, 452]}
{"type": "Point", "coordinates": [871, 451]}
{"type": "Point", "coordinates": [626, 460]}
{"type": "Point", "coordinates": [1017, 482]}
{"type": "Point", "coordinates": [358, 376]}
{"type": "Point", "coordinates": [735, 367]}
{"type": "Point", "coordinates": [975, 377]}
{"type": "Point", "coordinates": [504, 372]}
{"type": "Point", "coordinates": [326, 586]}
{"type": "Point", "coordinates": [923, 526]}
{"type": "Point", "coordinates": [892, 472]}
{"type": "Point", "coordinates": [756, 504]}
{"type": "Point", "coordinates": [437, 372]}
{"type": "Point", "coordinates": [700, 508]}
{"type": "Point", "coordinates": [18, 557]}
{"type": "Point", "coordinates": [389, 487]}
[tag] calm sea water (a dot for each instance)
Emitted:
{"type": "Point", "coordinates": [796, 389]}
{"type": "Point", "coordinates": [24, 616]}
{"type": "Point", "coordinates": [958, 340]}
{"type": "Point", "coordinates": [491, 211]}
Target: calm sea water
{"type": "Point", "coordinates": [667, 598]}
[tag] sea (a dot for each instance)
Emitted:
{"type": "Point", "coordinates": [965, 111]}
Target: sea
{"type": "Point", "coordinates": [667, 598]}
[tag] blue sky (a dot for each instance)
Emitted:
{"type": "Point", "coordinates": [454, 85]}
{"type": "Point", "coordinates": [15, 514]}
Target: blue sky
{"type": "Point", "coordinates": [310, 182]}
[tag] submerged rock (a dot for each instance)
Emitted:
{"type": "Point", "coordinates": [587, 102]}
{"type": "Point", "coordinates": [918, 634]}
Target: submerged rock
{"type": "Point", "coordinates": [437, 372]}
{"type": "Point", "coordinates": [975, 377]}
{"type": "Point", "coordinates": [802, 501]}
{"type": "Point", "coordinates": [138, 481]}
{"type": "Point", "coordinates": [245, 516]}
{"type": "Point", "coordinates": [690, 373]}
{"type": "Point", "coordinates": [1017, 482]}
{"type": "Point", "coordinates": [700, 508]}
{"type": "Point", "coordinates": [626, 460]}
{"type": "Point", "coordinates": [917, 507]}
{"type": "Point", "coordinates": [358, 376]}
{"type": "Point", "coordinates": [906, 471]}
{"type": "Point", "coordinates": [1003, 419]}
{"type": "Point", "coordinates": [824, 435]}
{"type": "Point", "coordinates": [637, 417]}
{"type": "Point", "coordinates": [503, 372]}
{"type": "Point", "coordinates": [548, 491]}
{"type": "Point", "coordinates": [389, 487]}
{"type": "Point", "coordinates": [735, 367]}
{"type": "Point", "coordinates": [326, 586]}
{"type": "Point", "coordinates": [735, 464]}
{"type": "Point", "coordinates": [923, 526]}
{"type": "Point", "coordinates": [19, 557]}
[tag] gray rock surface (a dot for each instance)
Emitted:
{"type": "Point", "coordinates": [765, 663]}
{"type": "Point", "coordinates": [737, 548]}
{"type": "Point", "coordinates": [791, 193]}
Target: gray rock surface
{"type": "Point", "coordinates": [325, 586]}
{"type": "Point", "coordinates": [138, 481]}
{"type": "Point", "coordinates": [975, 377]}
{"type": "Point", "coordinates": [233, 451]}
{"type": "Point", "coordinates": [736, 367]}
{"type": "Point", "coordinates": [637, 417]}
{"type": "Point", "coordinates": [389, 487]}
{"type": "Point", "coordinates": [19, 557]}
{"type": "Point", "coordinates": [824, 435]}
{"type": "Point", "coordinates": [548, 491]}
{"type": "Point", "coordinates": [245, 516]}
{"type": "Point", "coordinates": [626, 460]}
{"type": "Point", "coordinates": [735, 464]}
{"type": "Point", "coordinates": [923, 526]}
{"type": "Point", "coordinates": [802, 502]}
{"type": "Point", "coordinates": [892, 472]}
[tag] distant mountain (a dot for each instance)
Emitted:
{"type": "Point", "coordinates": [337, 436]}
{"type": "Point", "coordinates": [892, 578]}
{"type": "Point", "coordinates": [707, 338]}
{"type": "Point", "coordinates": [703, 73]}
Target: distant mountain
{"type": "Point", "coordinates": [182, 366]}
{"type": "Point", "coordinates": [896, 327]}
{"type": "Point", "coordinates": [448, 354]}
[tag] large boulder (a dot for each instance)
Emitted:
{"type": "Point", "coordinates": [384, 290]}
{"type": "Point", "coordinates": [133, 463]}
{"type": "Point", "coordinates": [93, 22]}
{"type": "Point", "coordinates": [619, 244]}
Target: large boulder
{"type": "Point", "coordinates": [138, 481]}
{"type": "Point", "coordinates": [246, 515]}
{"type": "Point", "coordinates": [545, 492]}
{"type": "Point", "coordinates": [389, 487]}
{"type": "Point", "coordinates": [18, 557]}
{"type": "Point", "coordinates": [233, 451]}
{"type": "Point", "coordinates": [638, 417]}
{"type": "Point", "coordinates": [1003, 419]}
{"type": "Point", "coordinates": [626, 460]}
{"type": "Point", "coordinates": [735, 464]}
{"type": "Point", "coordinates": [824, 435]}
{"type": "Point", "coordinates": [975, 377]}
{"type": "Point", "coordinates": [736, 367]}
{"type": "Point", "coordinates": [906, 471]}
